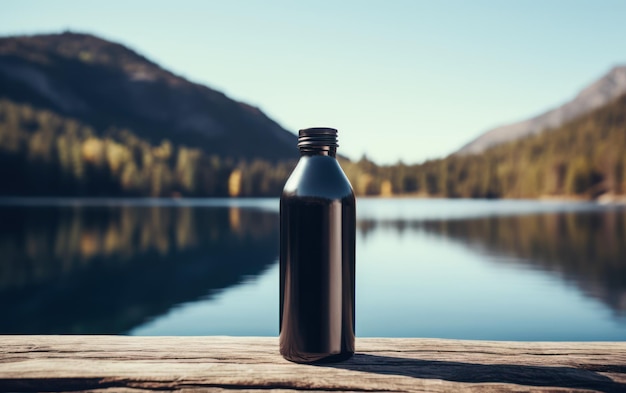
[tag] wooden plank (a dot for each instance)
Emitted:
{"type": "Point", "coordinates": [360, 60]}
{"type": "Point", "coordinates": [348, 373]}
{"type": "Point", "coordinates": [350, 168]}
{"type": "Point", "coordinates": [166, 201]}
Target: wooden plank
{"type": "Point", "coordinates": [133, 364]}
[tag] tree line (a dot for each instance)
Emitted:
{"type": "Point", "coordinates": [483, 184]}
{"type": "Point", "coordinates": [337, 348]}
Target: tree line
{"type": "Point", "coordinates": [44, 153]}
{"type": "Point", "coordinates": [584, 158]}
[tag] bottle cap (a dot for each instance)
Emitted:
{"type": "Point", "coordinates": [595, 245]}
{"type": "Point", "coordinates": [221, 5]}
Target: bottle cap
{"type": "Point", "coordinates": [317, 137]}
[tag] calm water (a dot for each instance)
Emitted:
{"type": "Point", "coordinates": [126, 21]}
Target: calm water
{"type": "Point", "coordinates": [501, 270]}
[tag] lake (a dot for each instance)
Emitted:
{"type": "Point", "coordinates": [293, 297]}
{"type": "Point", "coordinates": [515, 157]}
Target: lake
{"type": "Point", "coordinates": [467, 269]}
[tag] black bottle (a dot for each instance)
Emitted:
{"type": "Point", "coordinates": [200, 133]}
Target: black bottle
{"type": "Point", "coordinates": [317, 254]}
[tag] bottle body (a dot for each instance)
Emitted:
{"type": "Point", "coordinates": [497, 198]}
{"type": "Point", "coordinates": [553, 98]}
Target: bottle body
{"type": "Point", "coordinates": [317, 262]}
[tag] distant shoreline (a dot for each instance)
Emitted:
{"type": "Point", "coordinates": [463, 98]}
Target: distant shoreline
{"type": "Point", "coordinates": [603, 199]}
{"type": "Point", "coordinates": [173, 201]}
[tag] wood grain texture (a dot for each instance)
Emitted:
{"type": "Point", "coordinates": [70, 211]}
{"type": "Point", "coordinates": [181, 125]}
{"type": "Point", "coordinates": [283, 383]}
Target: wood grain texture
{"type": "Point", "coordinates": [135, 364]}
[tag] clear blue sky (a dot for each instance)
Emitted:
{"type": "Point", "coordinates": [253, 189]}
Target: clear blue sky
{"type": "Point", "coordinates": [406, 80]}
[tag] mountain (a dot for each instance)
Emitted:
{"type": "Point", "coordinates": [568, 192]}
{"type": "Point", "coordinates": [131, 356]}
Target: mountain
{"type": "Point", "coordinates": [105, 85]}
{"type": "Point", "coordinates": [596, 95]}
{"type": "Point", "coordinates": [582, 159]}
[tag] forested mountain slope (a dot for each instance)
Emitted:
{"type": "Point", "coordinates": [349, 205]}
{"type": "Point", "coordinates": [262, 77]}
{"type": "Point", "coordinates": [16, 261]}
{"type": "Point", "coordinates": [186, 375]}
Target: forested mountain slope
{"type": "Point", "coordinates": [82, 116]}
{"type": "Point", "coordinates": [596, 95]}
{"type": "Point", "coordinates": [106, 85]}
{"type": "Point", "coordinates": [585, 157]}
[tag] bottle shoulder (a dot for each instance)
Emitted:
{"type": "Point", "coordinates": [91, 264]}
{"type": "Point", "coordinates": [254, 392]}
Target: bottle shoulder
{"type": "Point", "coordinates": [318, 177]}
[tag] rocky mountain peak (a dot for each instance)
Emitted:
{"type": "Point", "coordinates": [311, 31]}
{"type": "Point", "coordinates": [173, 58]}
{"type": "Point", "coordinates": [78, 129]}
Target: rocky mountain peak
{"type": "Point", "coordinates": [599, 93]}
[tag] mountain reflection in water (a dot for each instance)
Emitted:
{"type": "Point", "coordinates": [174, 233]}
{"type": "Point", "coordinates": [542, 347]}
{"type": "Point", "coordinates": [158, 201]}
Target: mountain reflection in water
{"type": "Point", "coordinates": [587, 249]}
{"type": "Point", "coordinates": [108, 269]}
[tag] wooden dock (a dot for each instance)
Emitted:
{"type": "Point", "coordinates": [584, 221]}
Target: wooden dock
{"type": "Point", "coordinates": [136, 364]}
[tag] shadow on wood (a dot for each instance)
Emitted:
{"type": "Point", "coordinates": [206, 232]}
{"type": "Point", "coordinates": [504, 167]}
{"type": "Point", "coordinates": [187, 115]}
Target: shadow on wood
{"type": "Point", "coordinates": [587, 377]}
{"type": "Point", "coordinates": [132, 364]}
{"type": "Point", "coordinates": [55, 384]}
{"type": "Point", "coordinates": [31, 385]}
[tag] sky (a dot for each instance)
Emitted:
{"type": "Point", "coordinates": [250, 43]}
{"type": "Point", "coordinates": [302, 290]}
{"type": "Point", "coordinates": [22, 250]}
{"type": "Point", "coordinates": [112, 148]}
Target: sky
{"type": "Point", "coordinates": [401, 80]}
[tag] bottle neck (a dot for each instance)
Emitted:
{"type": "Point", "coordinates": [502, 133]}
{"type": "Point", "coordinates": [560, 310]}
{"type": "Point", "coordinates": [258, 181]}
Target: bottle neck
{"type": "Point", "coordinates": [329, 151]}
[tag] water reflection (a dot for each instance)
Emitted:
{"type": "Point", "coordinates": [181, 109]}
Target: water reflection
{"type": "Point", "coordinates": [107, 269]}
{"type": "Point", "coordinates": [203, 267]}
{"type": "Point", "coordinates": [587, 249]}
